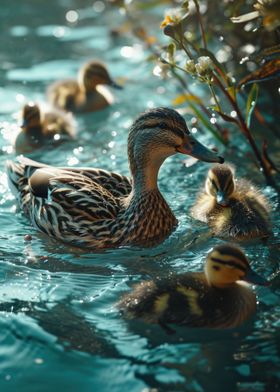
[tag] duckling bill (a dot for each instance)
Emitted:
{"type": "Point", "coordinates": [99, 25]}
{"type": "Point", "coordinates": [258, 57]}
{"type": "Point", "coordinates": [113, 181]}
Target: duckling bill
{"type": "Point", "coordinates": [232, 208]}
{"type": "Point", "coordinates": [215, 298]}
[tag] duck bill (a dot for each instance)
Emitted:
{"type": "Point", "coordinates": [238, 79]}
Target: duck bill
{"type": "Point", "coordinates": [252, 277]}
{"type": "Point", "coordinates": [197, 150]}
{"type": "Point", "coordinates": [222, 199]}
{"type": "Point", "coordinates": [115, 85]}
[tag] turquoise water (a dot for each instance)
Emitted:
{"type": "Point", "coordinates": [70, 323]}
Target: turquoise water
{"type": "Point", "coordinates": [59, 327]}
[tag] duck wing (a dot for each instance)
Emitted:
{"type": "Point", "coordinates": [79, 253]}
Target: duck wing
{"type": "Point", "coordinates": [65, 94]}
{"type": "Point", "coordinates": [61, 203]}
{"type": "Point", "coordinates": [117, 184]}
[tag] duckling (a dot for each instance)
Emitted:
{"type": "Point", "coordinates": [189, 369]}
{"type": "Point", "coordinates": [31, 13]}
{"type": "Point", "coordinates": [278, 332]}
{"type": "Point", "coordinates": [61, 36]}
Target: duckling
{"type": "Point", "coordinates": [79, 206]}
{"type": "Point", "coordinates": [232, 208]}
{"type": "Point", "coordinates": [87, 94]}
{"type": "Point", "coordinates": [42, 127]}
{"type": "Point", "coordinates": [218, 297]}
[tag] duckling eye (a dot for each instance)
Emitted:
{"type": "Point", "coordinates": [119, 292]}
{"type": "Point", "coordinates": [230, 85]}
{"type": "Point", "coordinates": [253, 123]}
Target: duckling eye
{"type": "Point", "coordinates": [215, 267]}
{"type": "Point", "coordinates": [214, 184]}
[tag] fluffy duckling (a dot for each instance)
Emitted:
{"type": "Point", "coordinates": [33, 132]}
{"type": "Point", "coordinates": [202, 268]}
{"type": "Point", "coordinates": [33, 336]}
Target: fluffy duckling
{"type": "Point", "coordinates": [215, 298]}
{"type": "Point", "coordinates": [232, 208]}
{"type": "Point", "coordinates": [87, 93]}
{"type": "Point", "coordinates": [41, 127]}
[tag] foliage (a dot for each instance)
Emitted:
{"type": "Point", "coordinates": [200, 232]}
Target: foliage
{"type": "Point", "coordinates": [197, 50]}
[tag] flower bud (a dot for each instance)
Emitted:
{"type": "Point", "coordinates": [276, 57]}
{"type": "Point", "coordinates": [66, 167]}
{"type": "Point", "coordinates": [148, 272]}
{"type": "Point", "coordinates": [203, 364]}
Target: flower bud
{"type": "Point", "coordinates": [204, 65]}
{"type": "Point", "coordinates": [190, 66]}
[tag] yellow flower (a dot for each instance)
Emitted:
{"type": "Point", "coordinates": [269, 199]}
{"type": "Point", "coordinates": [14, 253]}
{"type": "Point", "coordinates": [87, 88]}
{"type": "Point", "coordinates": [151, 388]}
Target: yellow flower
{"type": "Point", "coordinates": [167, 20]}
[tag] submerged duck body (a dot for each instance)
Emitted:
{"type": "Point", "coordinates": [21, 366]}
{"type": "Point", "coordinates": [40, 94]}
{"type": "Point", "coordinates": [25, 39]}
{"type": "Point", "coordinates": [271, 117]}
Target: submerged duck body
{"type": "Point", "coordinates": [43, 126]}
{"type": "Point", "coordinates": [82, 206]}
{"type": "Point", "coordinates": [215, 298]}
{"type": "Point", "coordinates": [232, 208]}
{"type": "Point", "coordinates": [87, 93]}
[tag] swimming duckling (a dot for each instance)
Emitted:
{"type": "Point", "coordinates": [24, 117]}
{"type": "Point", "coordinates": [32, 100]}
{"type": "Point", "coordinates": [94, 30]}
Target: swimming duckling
{"type": "Point", "coordinates": [87, 94]}
{"type": "Point", "coordinates": [232, 208]}
{"type": "Point", "coordinates": [41, 127]}
{"type": "Point", "coordinates": [215, 298]}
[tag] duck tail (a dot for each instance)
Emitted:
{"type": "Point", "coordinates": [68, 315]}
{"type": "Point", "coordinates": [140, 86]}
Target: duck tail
{"type": "Point", "coordinates": [18, 175]}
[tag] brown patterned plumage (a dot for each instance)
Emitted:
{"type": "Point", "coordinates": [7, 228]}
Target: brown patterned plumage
{"type": "Point", "coordinates": [97, 209]}
{"type": "Point", "coordinates": [43, 126]}
{"type": "Point", "coordinates": [232, 208]}
{"type": "Point", "coordinates": [215, 298]}
{"type": "Point", "coordinates": [87, 93]}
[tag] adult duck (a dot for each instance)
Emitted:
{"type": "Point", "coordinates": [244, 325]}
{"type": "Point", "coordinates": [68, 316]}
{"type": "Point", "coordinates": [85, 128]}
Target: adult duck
{"type": "Point", "coordinates": [94, 208]}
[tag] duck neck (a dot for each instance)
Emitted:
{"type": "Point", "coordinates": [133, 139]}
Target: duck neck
{"type": "Point", "coordinates": [145, 173]}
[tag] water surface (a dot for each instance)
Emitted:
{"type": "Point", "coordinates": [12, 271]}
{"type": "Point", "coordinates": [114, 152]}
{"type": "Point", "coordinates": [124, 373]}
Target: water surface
{"type": "Point", "coordinates": [59, 327]}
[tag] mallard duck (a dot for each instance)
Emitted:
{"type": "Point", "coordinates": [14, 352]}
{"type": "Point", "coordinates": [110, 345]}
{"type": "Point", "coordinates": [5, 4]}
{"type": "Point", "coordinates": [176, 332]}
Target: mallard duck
{"type": "Point", "coordinates": [87, 93]}
{"type": "Point", "coordinates": [215, 298]}
{"type": "Point", "coordinates": [232, 208]}
{"type": "Point", "coordinates": [93, 208]}
{"type": "Point", "coordinates": [43, 126]}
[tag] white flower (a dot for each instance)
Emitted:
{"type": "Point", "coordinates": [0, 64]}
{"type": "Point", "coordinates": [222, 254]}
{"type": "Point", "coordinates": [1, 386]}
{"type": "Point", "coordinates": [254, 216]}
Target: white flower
{"type": "Point", "coordinates": [204, 65]}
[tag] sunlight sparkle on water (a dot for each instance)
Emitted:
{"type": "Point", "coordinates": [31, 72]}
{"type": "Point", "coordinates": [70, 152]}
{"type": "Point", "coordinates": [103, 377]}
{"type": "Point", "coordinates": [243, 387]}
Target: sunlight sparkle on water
{"type": "Point", "coordinates": [20, 98]}
{"type": "Point", "coordinates": [127, 51]}
{"type": "Point", "coordinates": [59, 32]}
{"type": "Point", "coordinates": [72, 161]}
{"type": "Point", "coordinates": [72, 16]}
{"type": "Point", "coordinates": [78, 150]}
{"type": "Point", "coordinates": [98, 6]}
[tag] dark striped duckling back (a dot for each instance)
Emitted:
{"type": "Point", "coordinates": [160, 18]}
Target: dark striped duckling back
{"type": "Point", "coordinates": [215, 298]}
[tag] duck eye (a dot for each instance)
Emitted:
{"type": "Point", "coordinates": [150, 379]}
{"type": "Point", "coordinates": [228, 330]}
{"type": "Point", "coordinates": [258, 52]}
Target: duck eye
{"type": "Point", "coordinates": [216, 268]}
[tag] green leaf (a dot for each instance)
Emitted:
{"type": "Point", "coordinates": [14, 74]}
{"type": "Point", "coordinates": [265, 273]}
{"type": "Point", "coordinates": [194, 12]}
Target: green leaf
{"type": "Point", "coordinates": [251, 103]}
{"type": "Point", "coordinates": [171, 50]}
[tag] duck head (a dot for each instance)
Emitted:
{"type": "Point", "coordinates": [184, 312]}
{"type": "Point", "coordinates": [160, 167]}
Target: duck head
{"type": "Point", "coordinates": [31, 116]}
{"type": "Point", "coordinates": [220, 184]}
{"type": "Point", "coordinates": [226, 264]}
{"type": "Point", "coordinates": [159, 133]}
{"type": "Point", "coordinates": [94, 73]}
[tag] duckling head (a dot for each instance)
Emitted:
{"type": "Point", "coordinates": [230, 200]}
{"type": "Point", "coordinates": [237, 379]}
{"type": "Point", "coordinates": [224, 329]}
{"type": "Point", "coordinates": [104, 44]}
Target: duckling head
{"type": "Point", "coordinates": [159, 133]}
{"type": "Point", "coordinates": [226, 264]}
{"type": "Point", "coordinates": [220, 184]}
{"type": "Point", "coordinates": [31, 116]}
{"type": "Point", "coordinates": [95, 73]}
